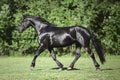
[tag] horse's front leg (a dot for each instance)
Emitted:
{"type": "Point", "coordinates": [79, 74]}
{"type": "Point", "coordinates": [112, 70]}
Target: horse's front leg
{"type": "Point", "coordinates": [76, 58]}
{"type": "Point", "coordinates": [60, 65]}
{"type": "Point", "coordinates": [38, 52]}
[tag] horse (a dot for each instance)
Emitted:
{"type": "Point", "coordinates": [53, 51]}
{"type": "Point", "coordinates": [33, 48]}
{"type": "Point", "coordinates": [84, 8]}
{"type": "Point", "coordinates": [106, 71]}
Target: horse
{"type": "Point", "coordinates": [51, 36]}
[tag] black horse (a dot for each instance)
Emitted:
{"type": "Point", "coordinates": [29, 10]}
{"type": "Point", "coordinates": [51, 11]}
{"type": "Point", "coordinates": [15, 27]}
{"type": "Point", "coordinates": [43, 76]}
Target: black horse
{"type": "Point", "coordinates": [50, 36]}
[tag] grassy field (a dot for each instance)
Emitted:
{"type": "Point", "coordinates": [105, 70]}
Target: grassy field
{"type": "Point", "coordinates": [18, 68]}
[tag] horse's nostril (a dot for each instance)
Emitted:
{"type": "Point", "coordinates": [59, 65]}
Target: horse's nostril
{"type": "Point", "coordinates": [20, 31]}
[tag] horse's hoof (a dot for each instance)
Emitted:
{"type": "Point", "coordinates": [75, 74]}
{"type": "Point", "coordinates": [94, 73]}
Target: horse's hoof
{"type": "Point", "coordinates": [69, 68]}
{"type": "Point", "coordinates": [31, 68]}
{"type": "Point", "coordinates": [60, 69]}
{"type": "Point", "coordinates": [98, 69]}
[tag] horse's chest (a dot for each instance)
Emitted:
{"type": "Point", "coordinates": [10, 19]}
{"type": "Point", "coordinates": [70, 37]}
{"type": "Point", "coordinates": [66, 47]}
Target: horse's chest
{"type": "Point", "coordinates": [42, 38]}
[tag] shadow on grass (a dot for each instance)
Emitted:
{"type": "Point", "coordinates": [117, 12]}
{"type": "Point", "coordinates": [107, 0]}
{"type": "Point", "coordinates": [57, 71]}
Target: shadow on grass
{"type": "Point", "coordinates": [109, 69]}
{"type": "Point", "coordinates": [65, 68]}
{"type": "Point", "coordinates": [56, 68]}
{"type": "Point", "coordinates": [34, 69]}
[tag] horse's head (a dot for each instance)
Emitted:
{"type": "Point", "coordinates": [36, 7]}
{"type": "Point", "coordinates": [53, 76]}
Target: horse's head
{"type": "Point", "coordinates": [36, 22]}
{"type": "Point", "coordinates": [25, 23]}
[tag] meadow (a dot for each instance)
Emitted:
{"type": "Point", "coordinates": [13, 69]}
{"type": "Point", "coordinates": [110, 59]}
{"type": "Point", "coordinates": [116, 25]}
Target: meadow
{"type": "Point", "coordinates": [18, 68]}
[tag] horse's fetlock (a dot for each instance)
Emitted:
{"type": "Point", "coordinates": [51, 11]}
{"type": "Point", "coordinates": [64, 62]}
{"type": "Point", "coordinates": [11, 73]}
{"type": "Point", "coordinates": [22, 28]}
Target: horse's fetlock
{"type": "Point", "coordinates": [33, 64]}
{"type": "Point", "coordinates": [78, 54]}
{"type": "Point", "coordinates": [97, 65]}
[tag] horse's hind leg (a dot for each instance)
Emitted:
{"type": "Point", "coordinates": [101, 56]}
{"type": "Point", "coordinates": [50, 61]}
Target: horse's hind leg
{"type": "Point", "coordinates": [93, 57]}
{"type": "Point", "coordinates": [77, 55]}
{"type": "Point", "coordinates": [60, 65]}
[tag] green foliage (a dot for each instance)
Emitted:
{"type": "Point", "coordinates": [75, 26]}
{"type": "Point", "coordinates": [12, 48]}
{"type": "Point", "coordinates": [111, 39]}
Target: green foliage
{"type": "Point", "coordinates": [106, 25]}
{"type": "Point", "coordinates": [102, 17]}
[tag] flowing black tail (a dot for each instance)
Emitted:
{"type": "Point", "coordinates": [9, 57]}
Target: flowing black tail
{"type": "Point", "coordinates": [98, 48]}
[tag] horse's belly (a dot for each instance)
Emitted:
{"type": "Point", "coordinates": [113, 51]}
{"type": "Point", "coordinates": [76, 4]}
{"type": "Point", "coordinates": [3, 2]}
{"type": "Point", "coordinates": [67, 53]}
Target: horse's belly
{"type": "Point", "coordinates": [62, 45]}
{"type": "Point", "coordinates": [62, 41]}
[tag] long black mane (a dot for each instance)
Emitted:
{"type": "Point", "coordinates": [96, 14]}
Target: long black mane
{"type": "Point", "coordinates": [39, 19]}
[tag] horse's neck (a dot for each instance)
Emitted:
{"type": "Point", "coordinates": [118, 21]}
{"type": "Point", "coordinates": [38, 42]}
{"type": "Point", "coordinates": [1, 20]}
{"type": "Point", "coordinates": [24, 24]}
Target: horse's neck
{"type": "Point", "coordinates": [38, 26]}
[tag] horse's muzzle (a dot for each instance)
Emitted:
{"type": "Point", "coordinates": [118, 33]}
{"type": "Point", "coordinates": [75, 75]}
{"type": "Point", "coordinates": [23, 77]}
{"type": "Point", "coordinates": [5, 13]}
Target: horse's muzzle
{"type": "Point", "coordinates": [20, 31]}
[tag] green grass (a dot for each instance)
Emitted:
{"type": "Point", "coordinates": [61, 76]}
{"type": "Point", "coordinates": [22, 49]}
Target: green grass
{"type": "Point", "coordinates": [18, 68]}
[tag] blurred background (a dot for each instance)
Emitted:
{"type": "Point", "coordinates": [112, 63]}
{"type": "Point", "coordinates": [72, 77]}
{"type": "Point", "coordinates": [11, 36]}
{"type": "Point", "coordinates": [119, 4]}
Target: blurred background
{"type": "Point", "coordinates": [100, 16]}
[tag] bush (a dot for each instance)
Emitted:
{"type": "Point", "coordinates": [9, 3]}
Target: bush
{"type": "Point", "coordinates": [101, 17]}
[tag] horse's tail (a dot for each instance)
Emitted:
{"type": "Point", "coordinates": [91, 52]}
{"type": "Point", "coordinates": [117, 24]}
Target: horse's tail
{"type": "Point", "coordinates": [98, 48]}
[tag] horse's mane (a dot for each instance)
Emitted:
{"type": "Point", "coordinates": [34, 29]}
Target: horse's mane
{"type": "Point", "coordinates": [39, 19]}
